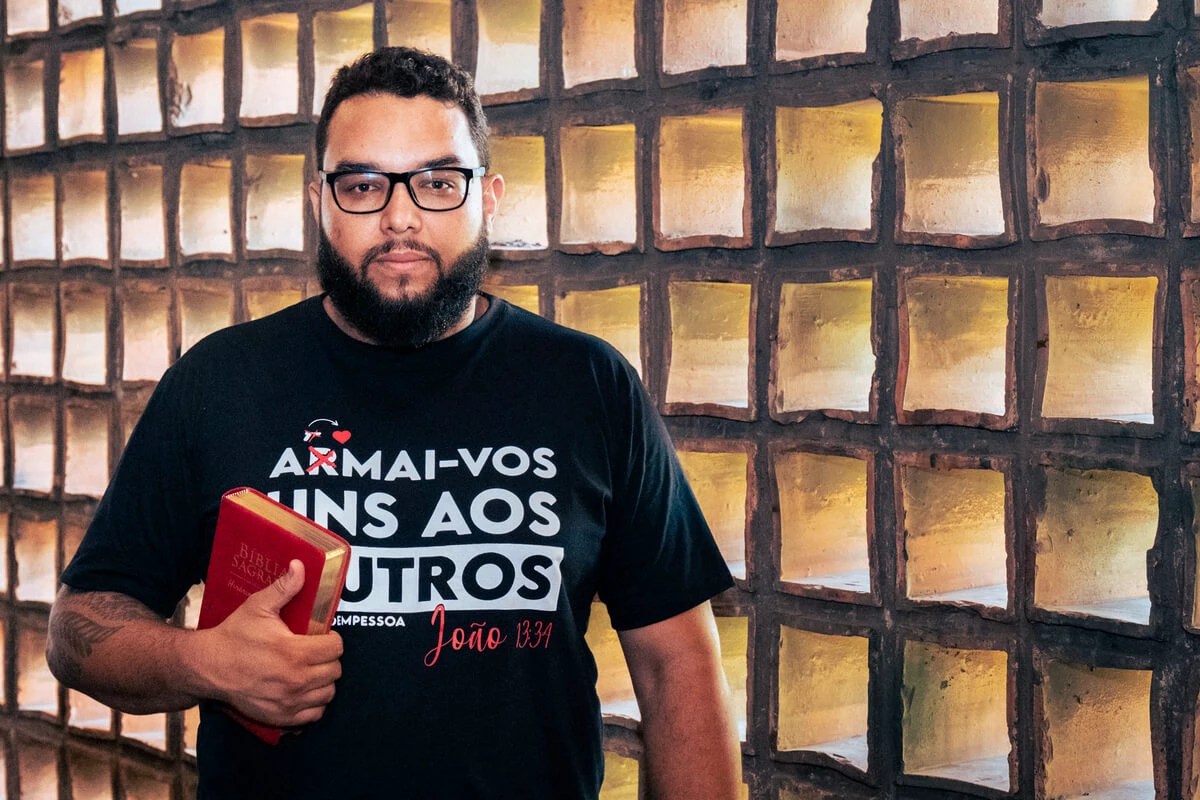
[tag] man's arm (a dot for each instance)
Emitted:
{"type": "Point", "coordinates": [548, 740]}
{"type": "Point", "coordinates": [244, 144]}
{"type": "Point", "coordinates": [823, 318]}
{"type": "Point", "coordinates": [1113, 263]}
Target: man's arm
{"type": "Point", "coordinates": [691, 743]}
{"type": "Point", "coordinates": [117, 650]}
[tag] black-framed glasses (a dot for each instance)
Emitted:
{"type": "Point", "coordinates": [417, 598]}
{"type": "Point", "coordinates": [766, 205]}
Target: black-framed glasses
{"type": "Point", "coordinates": [433, 189]}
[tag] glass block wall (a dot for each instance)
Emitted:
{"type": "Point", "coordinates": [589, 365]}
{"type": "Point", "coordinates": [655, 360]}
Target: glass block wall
{"type": "Point", "coordinates": [915, 283]}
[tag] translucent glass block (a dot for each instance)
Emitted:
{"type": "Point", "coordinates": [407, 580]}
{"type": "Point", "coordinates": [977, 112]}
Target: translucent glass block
{"type": "Point", "coordinates": [143, 784]}
{"type": "Point", "coordinates": [521, 222]}
{"type": "Point", "coordinates": [600, 197]}
{"type": "Point", "coordinates": [91, 775]}
{"type": "Point", "coordinates": [612, 314]}
{"type": "Point", "coordinates": [31, 200]}
{"type": "Point", "coordinates": [148, 729]}
{"type": "Point", "coordinates": [613, 685]}
{"type": "Point", "coordinates": [935, 19]}
{"type": "Point", "coordinates": [825, 166]}
{"type": "Point", "coordinates": [5, 520]}
{"type": "Point", "coordinates": [85, 215]}
{"type": "Point", "coordinates": [205, 208]}
{"type": "Point", "coordinates": [202, 310]}
{"type": "Point", "coordinates": [87, 713]}
{"type": "Point", "coordinates": [86, 428]}
{"type": "Point", "coordinates": [1195, 489]}
{"type": "Point", "coordinates": [734, 634]}
{"type": "Point", "coordinates": [809, 28]}
{"type": "Point", "coordinates": [339, 37]}
{"type": "Point", "coordinates": [75, 10]}
{"type": "Point", "coordinates": [133, 6]}
{"type": "Point", "coordinates": [143, 226]}
{"type": "Point", "coordinates": [824, 357]}
{"type": "Point", "coordinates": [85, 343]}
{"type": "Point", "coordinates": [34, 323]}
{"type": "Point", "coordinates": [719, 481]}
{"type": "Point", "coordinates": [957, 343]}
{"type": "Point", "coordinates": [950, 147]}
{"type": "Point", "coordinates": [832, 720]}
{"type": "Point", "coordinates": [81, 94]}
{"type": "Point", "coordinates": [509, 45]}
{"type": "Point", "coordinates": [135, 70]}
{"type": "Point", "coordinates": [424, 24]}
{"type": "Point", "coordinates": [275, 202]}
{"type": "Point", "coordinates": [702, 176]}
{"type": "Point", "coordinates": [1092, 145]}
{"type": "Point", "coordinates": [35, 545]}
{"type": "Point", "coordinates": [191, 606]}
{"type": "Point", "coordinates": [710, 343]}
{"type": "Point", "coordinates": [955, 723]}
{"type": "Point", "coordinates": [707, 33]}
{"type": "Point", "coordinates": [270, 72]}
{"type": "Point", "coordinates": [598, 41]}
{"type": "Point", "coordinates": [1093, 534]}
{"type": "Point", "coordinates": [36, 688]}
{"type": "Point", "coordinates": [191, 726]}
{"type": "Point", "coordinates": [1060, 13]}
{"type": "Point", "coordinates": [1190, 88]}
{"type": "Point", "coordinates": [37, 769]}
{"type": "Point", "coordinates": [27, 16]}
{"type": "Point", "coordinates": [267, 300]}
{"type": "Point", "coordinates": [1097, 735]}
{"type": "Point", "coordinates": [73, 528]}
{"type": "Point", "coordinates": [145, 313]}
{"type": "Point", "coordinates": [24, 103]}
{"type": "Point", "coordinates": [197, 88]}
{"type": "Point", "coordinates": [823, 520]}
{"type": "Point", "coordinates": [33, 444]}
{"type": "Point", "coordinates": [954, 535]}
{"type": "Point", "coordinates": [522, 295]}
{"type": "Point", "coordinates": [620, 777]}
{"type": "Point", "coordinates": [1100, 362]}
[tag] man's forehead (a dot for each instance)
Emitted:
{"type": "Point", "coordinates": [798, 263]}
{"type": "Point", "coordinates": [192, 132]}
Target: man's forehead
{"type": "Point", "coordinates": [398, 132]}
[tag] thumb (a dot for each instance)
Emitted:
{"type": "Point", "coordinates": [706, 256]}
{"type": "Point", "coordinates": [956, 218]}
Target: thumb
{"type": "Point", "coordinates": [274, 597]}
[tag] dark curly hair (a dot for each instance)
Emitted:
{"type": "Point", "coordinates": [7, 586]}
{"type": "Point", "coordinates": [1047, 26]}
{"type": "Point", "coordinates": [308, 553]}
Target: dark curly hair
{"type": "Point", "coordinates": [406, 72]}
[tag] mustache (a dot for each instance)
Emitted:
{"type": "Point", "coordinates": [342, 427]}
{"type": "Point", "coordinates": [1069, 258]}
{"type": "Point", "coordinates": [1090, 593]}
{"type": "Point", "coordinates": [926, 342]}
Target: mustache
{"type": "Point", "coordinates": [399, 244]}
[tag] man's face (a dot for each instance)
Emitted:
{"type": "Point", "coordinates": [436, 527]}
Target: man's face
{"type": "Point", "coordinates": [416, 267]}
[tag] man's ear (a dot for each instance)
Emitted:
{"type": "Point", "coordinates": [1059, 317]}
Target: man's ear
{"type": "Point", "coordinates": [314, 201]}
{"type": "Point", "coordinates": [493, 192]}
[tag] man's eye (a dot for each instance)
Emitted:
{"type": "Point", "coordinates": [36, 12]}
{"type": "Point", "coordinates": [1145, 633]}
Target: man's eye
{"type": "Point", "coordinates": [361, 187]}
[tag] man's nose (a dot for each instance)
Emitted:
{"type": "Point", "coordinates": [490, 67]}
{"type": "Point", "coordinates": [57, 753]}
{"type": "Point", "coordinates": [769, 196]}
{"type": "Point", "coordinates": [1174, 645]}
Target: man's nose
{"type": "Point", "coordinates": [400, 213]}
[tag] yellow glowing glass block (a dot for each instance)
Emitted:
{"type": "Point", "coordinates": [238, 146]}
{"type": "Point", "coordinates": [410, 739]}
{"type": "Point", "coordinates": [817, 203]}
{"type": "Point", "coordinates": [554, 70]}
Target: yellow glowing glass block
{"type": "Point", "coordinates": [33, 325]}
{"type": "Point", "coordinates": [27, 16]}
{"type": "Point", "coordinates": [598, 41]}
{"type": "Point", "coordinates": [143, 229]}
{"type": "Point", "coordinates": [132, 6]}
{"type": "Point", "coordinates": [148, 729]}
{"type": "Point", "coordinates": [521, 295]}
{"type": "Point", "coordinates": [87, 713]}
{"type": "Point", "coordinates": [955, 722]}
{"type": "Point", "coordinates": [5, 521]}
{"type": "Point", "coordinates": [85, 215]}
{"type": "Point", "coordinates": [951, 151]}
{"type": "Point", "coordinates": [1059, 13]}
{"type": "Point", "coordinates": [191, 606]}
{"type": "Point", "coordinates": [809, 28]}
{"type": "Point", "coordinates": [24, 104]}
{"type": "Point", "coordinates": [612, 314]}
{"type": "Point", "coordinates": [600, 197]}
{"type": "Point", "coordinates": [81, 94]}
{"type": "Point", "coordinates": [191, 726]}
{"type": "Point", "coordinates": [734, 635]}
{"type": "Point", "coordinates": [710, 343]}
{"type": "Point", "coordinates": [197, 88]}
{"type": "Point", "coordinates": [934, 19]}
{"type": "Point", "coordinates": [73, 528]}
{"type": "Point", "coordinates": [824, 357]}
{"type": "Point", "coordinates": [957, 343]}
{"type": "Point", "coordinates": [720, 484]}
{"type": "Point", "coordinates": [339, 37]}
{"type": "Point", "coordinates": [135, 70]}
{"type": "Point", "coordinates": [37, 769]}
{"type": "Point", "coordinates": [32, 207]}
{"type": "Point", "coordinates": [75, 10]}
{"type": "Point", "coordinates": [36, 688]}
{"type": "Point", "coordinates": [832, 720]}
{"type": "Point", "coordinates": [1092, 538]}
{"type": "Point", "coordinates": [954, 535]}
{"type": "Point", "coordinates": [703, 33]}
{"type": "Point", "coordinates": [1100, 363]}
{"type": "Point", "coordinates": [265, 301]}
{"type": "Point", "coordinates": [1098, 732]}
{"type": "Point", "coordinates": [613, 684]}
{"type": "Point", "coordinates": [521, 223]}
{"type": "Point", "coordinates": [145, 313]}
{"type": "Point", "coordinates": [620, 777]}
{"type": "Point", "coordinates": [702, 175]}
{"type": "Point", "coordinates": [205, 208]}
{"type": "Point", "coordinates": [91, 775]}
{"type": "Point", "coordinates": [32, 424]}
{"type": "Point", "coordinates": [85, 471]}
{"type": "Point", "coordinates": [509, 45]}
{"type": "Point", "coordinates": [825, 166]}
{"type": "Point", "coordinates": [202, 310]}
{"type": "Point", "coordinates": [823, 520]}
{"type": "Point", "coordinates": [1092, 148]}
{"type": "Point", "coordinates": [144, 784]}
{"type": "Point", "coordinates": [424, 24]}
{"type": "Point", "coordinates": [35, 546]}
{"type": "Point", "coordinates": [275, 202]}
{"type": "Point", "coordinates": [270, 75]}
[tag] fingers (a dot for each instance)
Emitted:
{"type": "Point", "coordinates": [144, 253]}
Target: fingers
{"type": "Point", "coordinates": [286, 586]}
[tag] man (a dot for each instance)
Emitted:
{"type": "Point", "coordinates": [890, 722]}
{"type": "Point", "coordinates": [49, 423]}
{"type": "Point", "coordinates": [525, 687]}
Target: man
{"type": "Point", "coordinates": [492, 471]}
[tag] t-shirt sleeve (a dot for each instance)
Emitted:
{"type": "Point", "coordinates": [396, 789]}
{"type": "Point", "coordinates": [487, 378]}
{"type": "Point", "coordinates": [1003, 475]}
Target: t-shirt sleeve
{"type": "Point", "coordinates": [658, 558]}
{"type": "Point", "coordinates": [145, 539]}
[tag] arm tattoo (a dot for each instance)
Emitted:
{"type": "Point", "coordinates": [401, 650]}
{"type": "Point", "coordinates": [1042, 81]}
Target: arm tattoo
{"type": "Point", "coordinates": [79, 634]}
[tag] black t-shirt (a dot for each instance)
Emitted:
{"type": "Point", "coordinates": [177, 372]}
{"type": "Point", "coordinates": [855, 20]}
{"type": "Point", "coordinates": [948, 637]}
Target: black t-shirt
{"type": "Point", "coordinates": [491, 484]}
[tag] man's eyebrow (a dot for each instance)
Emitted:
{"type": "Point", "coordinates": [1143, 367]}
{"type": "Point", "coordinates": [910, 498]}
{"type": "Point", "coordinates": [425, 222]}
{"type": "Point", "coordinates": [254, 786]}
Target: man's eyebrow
{"type": "Point", "coordinates": [365, 166]}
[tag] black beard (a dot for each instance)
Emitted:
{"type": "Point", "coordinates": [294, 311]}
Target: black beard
{"type": "Point", "coordinates": [403, 324]}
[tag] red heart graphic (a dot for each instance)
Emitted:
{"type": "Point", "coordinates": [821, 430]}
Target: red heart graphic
{"type": "Point", "coordinates": [341, 436]}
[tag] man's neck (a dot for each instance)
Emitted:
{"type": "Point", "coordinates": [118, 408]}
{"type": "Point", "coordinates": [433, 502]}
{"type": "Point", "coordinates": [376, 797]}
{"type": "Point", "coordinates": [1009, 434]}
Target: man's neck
{"type": "Point", "coordinates": [475, 309]}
